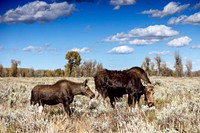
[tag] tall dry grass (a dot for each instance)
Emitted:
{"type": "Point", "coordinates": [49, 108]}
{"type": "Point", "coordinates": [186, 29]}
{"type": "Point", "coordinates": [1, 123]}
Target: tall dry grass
{"type": "Point", "coordinates": [177, 110]}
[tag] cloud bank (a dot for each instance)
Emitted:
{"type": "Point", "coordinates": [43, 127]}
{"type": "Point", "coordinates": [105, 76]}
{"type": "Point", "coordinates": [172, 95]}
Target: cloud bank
{"type": "Point", "coordinates": [39, 49]}
{"type": "Point", "coordinates": [169, 9]}
{"type": "Point", "coordinates": [143, 36]}
{"type": "Point", "coordinates": [159, 52]}
{"type": "Point", "coordinates": [37, 11]}
{"type": "Point", "coordinates": [121, 50]}
{"type": "Point", "coordinates": [118, 3]}
{"type": "Point", "coordinates": [81, 50]}
{"type": "Point", "coordinates": [183, 19]}
{"type": "Point", "coordinates": [180, 42]}
{"type": "Point", "coordinates": [196, 47]}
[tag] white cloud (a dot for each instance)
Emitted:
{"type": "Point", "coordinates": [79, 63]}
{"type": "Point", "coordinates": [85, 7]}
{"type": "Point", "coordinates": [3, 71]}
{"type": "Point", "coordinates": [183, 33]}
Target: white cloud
{"type": "Point", "coordinates": [31, 48]}
{"type": "Point", "coordinates": [143, 41]}
{"type": "Point", "coordinates": [37, 11]}
{"type": "Point", "coordinates": [118, 3]}
{"type": "Point", "coordinates": [196, 47]}
{"type": "Point", "coordinates": [155, 31]}
{"type": "Point", "coordinates": [143, 36]}
{"type": "Point", "coordinates": [121, 50]}
{"type": "Point", "coordinates": [180, 42]}
{"type": "Point", "coordinates": [159, 52]}
{"type": "Point", "coordinates": [119, 37]}
{"type": "Point", "coordinates": [38, 49]}
{"type": "Point", "coordinates": [116, 37]}
{"type": "Point", "coordinates": [81, 50]}
{"type": "Point", "coordinates": [169, 9]}
{"type": "Point", "coordinates": [192, 19]}
{"type": "Point", "coordinates": [177, 20]}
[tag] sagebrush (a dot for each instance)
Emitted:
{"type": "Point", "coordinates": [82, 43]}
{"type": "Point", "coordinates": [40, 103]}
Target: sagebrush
{"type": "Point", "coordinates": [177, 109]}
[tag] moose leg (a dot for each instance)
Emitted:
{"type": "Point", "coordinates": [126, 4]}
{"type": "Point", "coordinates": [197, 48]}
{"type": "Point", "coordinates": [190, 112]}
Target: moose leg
{"type": "Point", "coordinates": [138, 101]}
{"type": "Point", "coordinates": [93, 100]}
{"type": "Point", "coordinates": [135, 101]}
{"type": "Point", "coordinates": [96, 94]}
{"type": "Point", "coordinates": [34, 100]}
{"type": "Point", "coordinates": [40, 109]}
{"type": "Point", "coordinates": [67, 108]}
{"type": "Point", "coordinates": [130, 99]}
{"type": "Point", "coordinates": [41, 106]}
{"type": "Point", "coordinates": [112, 100]}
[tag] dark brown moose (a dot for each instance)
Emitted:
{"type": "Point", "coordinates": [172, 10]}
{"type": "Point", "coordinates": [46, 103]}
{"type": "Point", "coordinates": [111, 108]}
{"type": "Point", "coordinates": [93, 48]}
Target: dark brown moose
{"type": "Point", "coordinates": [114, 84]}
{"type": "Point", "coordinates": [63, 91]}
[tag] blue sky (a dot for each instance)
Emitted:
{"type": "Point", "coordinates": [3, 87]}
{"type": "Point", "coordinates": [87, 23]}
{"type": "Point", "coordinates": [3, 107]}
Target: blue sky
{"type": "Point", "coordinates": [117, 33]}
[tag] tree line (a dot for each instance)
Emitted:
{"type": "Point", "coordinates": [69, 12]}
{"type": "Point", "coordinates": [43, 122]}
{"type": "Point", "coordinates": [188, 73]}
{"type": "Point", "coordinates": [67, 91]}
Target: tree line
{"type": "Point", "coordinates": [159, 68]}
{"type": "Point", "coordinates": [74, 68]}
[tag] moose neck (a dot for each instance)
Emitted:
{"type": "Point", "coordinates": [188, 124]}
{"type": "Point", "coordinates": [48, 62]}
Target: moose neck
{"type": "Point", "coordinates": [77, 89]}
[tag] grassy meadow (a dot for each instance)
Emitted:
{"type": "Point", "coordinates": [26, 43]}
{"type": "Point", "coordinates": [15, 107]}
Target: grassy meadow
{"type": "Point", "coordinates": [177, 110]}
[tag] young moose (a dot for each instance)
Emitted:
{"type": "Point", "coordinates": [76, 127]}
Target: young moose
{"type": "Point", "coordinates": [63, 91]}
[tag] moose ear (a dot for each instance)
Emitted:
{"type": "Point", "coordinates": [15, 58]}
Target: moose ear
{"type": "Point", "coordinates": [148, 84]}
{"type": "Point", "coordinates": [143, 83]}
{"type": "Point", "coordinates": [85, 82]}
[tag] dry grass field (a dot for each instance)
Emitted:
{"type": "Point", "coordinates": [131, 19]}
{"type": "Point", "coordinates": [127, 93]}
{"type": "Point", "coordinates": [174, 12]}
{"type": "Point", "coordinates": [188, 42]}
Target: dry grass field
{"type": "Point", "coordinates": [177, 110]}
